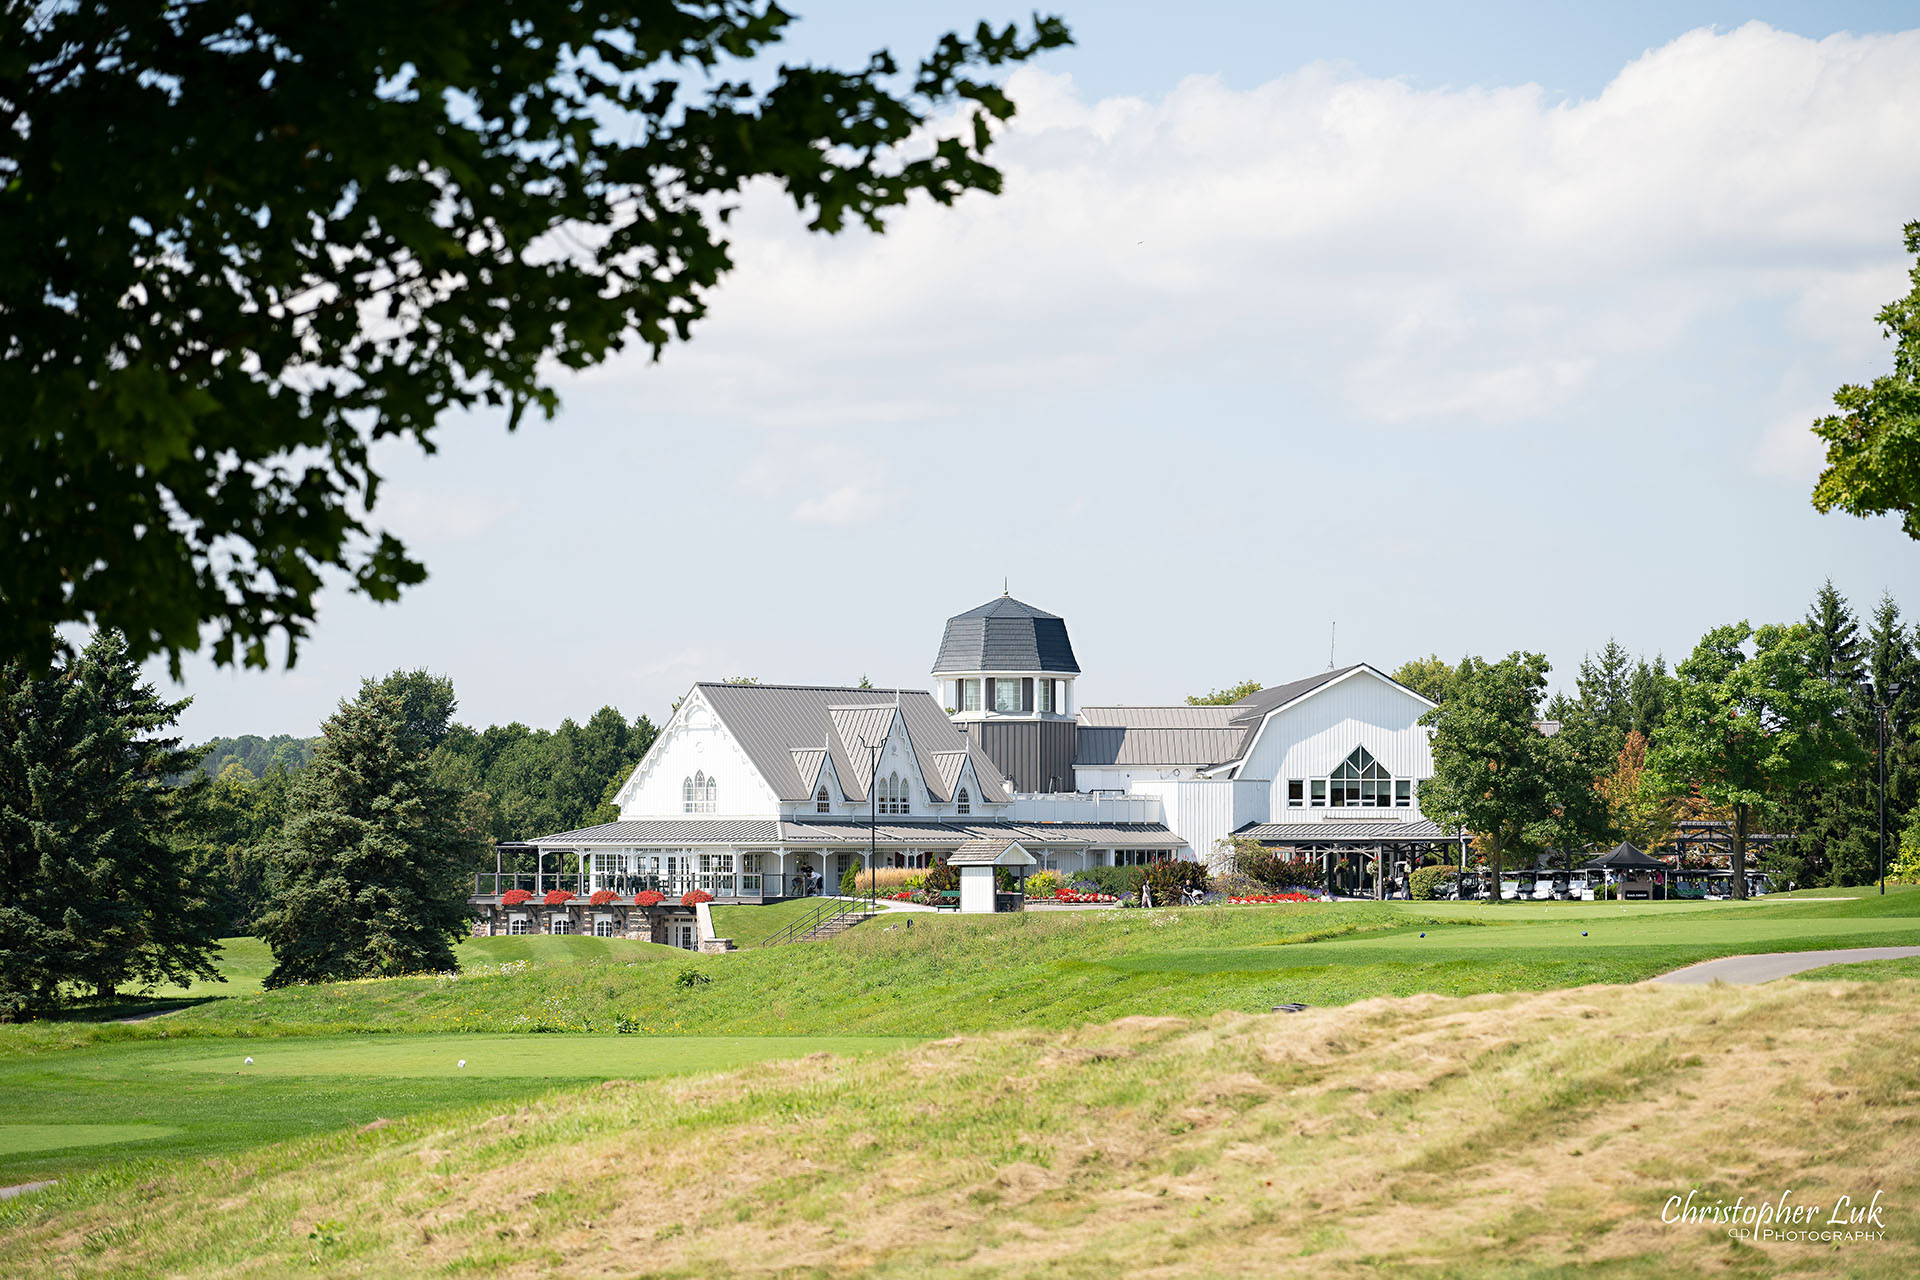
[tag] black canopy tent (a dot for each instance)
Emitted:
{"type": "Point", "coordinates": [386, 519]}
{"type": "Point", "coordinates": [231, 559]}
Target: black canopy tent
{"type": "Point", "coordinates": [1629, 863]}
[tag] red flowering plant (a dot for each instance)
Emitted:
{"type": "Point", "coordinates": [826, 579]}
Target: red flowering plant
{"type": "Point", "coordinates": [603, 897]}
{"type": "Point", "coordinates": [558, 897]}
{"type": "Point", "coordinates": [514, 897]}
{"type": "Point", "coordinates": [649, 898]}
{"type": "Point", "coordinates": [694, 897]}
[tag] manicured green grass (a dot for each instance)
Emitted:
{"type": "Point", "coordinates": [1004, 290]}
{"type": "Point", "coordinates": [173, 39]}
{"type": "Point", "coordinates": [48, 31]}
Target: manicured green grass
{"type": "Point", "coordinates": [1865, 971]}
{"type": "Point", "coordinates": [156, 1099]}
{"type": "Point", "coordinates": [1049, 970]}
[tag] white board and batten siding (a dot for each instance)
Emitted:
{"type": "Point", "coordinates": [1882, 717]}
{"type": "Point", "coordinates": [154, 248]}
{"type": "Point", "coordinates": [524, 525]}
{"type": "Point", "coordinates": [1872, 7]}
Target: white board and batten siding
{"type": "Point", "coordinates": [1206, 810]}
{"type": "Point", "coordinates": [1310, 738]}
{"type": "Point", "coordinates": [696, 741]}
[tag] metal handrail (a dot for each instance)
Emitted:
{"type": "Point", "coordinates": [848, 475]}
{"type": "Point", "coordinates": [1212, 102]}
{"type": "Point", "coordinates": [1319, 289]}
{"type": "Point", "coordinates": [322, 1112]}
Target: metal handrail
{"type": "Point", "coordinates": [824, 914]}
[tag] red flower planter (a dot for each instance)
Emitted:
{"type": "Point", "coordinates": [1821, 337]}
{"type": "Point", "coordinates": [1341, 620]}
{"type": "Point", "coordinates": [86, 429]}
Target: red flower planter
{"type": "Point", "coordinates": [515, 897]}
{"type": "Point", "coordinates": [1274, 897]}
{"type": "Point", "coordinates": [648, 898]}
{"type": "Point", "coordinates": [603, 897]}
{"type": "Point", "coordinates": [694, 897]}
{"type": "Point", "coordinates": [558, 897]}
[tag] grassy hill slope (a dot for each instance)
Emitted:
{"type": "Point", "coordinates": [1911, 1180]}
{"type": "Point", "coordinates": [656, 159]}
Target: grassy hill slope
{"type": "Point", "coordinates": [1513, 1135]}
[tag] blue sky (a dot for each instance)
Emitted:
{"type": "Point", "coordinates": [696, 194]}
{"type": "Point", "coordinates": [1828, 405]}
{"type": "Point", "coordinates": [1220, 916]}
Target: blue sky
{"type": "Point", "coordinates": [1473, 332]}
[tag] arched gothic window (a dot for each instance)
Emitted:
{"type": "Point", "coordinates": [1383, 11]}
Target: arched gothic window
{"type": "Point", "coordinates": [963, 803]}
{"type": "Point", "coordinates": [822, 802]}
{"type": "Point", "coordinates": [699, 794]}
{"type": "Point", "coordinates": [893, 794]}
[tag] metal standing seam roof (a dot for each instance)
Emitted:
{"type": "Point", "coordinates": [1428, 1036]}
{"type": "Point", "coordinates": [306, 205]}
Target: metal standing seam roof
{"type": "Point", "coordinates": [772, 721]}
{"type": "Point", "coordinates": [1254, 707]}
{"type": "Point", "coordinates": [990, 853]}
{"type": "Point", "coordinates": [669, 831]}
{"type": "Point", "coordinates": [1115, 746]}
{"type": "Point", "coordinates": [929, 835]}
{"type": "Point", "coordinates": [1120, 717]}
{"type": "Point", "coordinates": [1346, 832]}
{"type": "Point", "coordinates": [1006, 635]}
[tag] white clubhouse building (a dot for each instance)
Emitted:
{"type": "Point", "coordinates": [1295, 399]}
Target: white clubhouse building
{"type": "Point", "coordinates": [755, 792]}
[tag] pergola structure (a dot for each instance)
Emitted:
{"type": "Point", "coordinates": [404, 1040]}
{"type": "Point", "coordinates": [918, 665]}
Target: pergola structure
{"type": "Point", "coordinates": [1360, 857]}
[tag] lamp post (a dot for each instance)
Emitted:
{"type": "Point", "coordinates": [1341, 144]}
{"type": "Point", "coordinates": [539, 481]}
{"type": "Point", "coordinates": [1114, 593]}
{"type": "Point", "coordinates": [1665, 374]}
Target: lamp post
{"type": "Point", "coordinates": [1880, 715]}
{"type": "Point", "coordinates": [873, 819]}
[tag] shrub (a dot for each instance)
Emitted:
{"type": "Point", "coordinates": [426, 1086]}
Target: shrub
{"type": "Point", "coordinates": [515, 897]}
{"type": "Point", "coordinates": [1045, 884]}
{"type": "Point", "coordinates": [1429, 883]}
{"type": "Point", "coordinates": [1121, 882]}
{"type": "Point", "coordinates": [649, 898]}
{"type": "Point", "coordinates": [693, 897]}
{"type": "Point", "coordinates": [851, 880]}
{"type": "Point", "coordinates": [941, 877]}
{"type": "Point", "coordinates": [1170, 880]}
{"type": "Point", "coordinates": [602, 897]}
{"type": "Point", "coordinates": [558, 897]}
{"type": "Point", "coordinates": [690, 976]}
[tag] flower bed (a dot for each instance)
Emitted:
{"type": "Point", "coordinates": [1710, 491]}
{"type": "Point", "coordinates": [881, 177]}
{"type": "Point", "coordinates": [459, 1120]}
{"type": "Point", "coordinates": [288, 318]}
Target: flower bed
{"type": "Point", "coordinates": [515, 897]}
{"type": "Point", "coordinates": [603, 897]}
{"type": "Point", "coordinates": [1274, 897]}
{"type": "Point", "coordinates": [1071, 897]}
{"type": "Point", "coordinates": [558, 897]}
{"type": "Point", "coordinates": [694, 897]}
{"type": "Point", "coordinates": [649, 898]}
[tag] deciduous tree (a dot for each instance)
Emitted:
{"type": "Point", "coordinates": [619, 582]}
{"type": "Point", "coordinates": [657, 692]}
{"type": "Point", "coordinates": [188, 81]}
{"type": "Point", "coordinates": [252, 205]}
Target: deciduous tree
{"type": "Point", "coordinates": [1746, 728]}
{"type": "Point", "coordinates": [245, 242]}
{"type": "Point", "coordinates": [1873, 443]}
{"type": "Point", "coordinates": [1516, 789]}
{"type": "Point", "coordinates": [1224, 697]}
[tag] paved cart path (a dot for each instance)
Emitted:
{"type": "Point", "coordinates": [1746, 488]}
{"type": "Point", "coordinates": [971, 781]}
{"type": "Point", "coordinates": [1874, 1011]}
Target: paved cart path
{"type": "Point", "coordinates": [1765, 968]}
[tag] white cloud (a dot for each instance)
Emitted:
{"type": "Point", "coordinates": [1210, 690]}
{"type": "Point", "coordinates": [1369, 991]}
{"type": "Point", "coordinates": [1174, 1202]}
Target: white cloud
{"type": "Point", "coordinates": [1414, 256]}
{"type": "Point", "coordinates": [1789, 450]}
{"type": "Point", "coordinates": [835, 482]}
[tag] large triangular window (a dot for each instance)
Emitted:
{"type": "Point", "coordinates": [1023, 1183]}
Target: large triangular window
{"type": "Point", "coordinates": [1360, 782]}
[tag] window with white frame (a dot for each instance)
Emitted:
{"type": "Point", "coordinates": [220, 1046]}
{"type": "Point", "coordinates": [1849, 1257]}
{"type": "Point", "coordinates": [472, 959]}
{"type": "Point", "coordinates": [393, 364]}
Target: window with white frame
{"type": "Point", "coordinates": [1046, 695]}
{"type": "Point", "coordinates": [750, 865]}
{"type": "Point", "coordinates": [519, 926]}
{"type": "Point", "coordinates": [1319, 792]}
{"type": "Point", "coordinates": [893, 794]}
{"type": "Point", "coordinates": [1403, 793]}
{"type": "Point", "coordinates": [970, 695]}
{"type": "Point", "coordinates": [1006, 695]}
{"type": "Point", "coordinates": [1296, 793]}
{"type": "Point", "coordinates": [822, 802]}
{"type": "Point", "coordinates": [963, 803]}
{"type": "Point", "coordinates": [1139, 857]}
{"type": "Point", "coordinates": [699, 794]}
{"type": "Point", "coordinates": [603, 929]}
{"type": "Point", "coordinates": [561, 924]}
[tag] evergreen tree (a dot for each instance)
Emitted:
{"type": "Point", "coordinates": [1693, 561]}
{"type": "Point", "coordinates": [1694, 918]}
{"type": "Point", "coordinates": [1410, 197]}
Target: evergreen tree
{"type": "Point", "coordinates": [371, 870]}
{"type": "Point", "coordinates": [1832, 819]}
{"type": "Point", "coordinates": [92, 894]}
{"type": "Point", "coordinates": [1893, 672]}
{"type": "Point", "coordinates": [1605, 687]}
{"type": "Point", "coordinates": [1651, 692]}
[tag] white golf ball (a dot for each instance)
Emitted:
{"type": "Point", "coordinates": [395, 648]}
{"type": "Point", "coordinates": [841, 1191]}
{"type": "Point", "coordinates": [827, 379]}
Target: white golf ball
{"type": "Point", "coordinates": [463, 1062]}
{"type": "Point", "coordinates": [249, 1062]}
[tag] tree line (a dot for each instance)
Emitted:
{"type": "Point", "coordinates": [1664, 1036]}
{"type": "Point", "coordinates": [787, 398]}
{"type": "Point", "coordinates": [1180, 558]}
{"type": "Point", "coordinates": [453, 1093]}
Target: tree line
{"type": "Point", "coordinates": [1783, 728]}
{"type": "Point", "coordinates": [122, 862]}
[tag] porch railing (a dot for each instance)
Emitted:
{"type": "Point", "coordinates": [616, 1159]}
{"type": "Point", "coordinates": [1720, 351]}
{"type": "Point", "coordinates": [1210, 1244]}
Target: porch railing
{"type": "Point", "coordinates": [626, 884]}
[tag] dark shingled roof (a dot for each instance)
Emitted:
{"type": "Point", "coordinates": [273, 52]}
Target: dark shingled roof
{"type": "Point", "coordinates": [1006, 635]}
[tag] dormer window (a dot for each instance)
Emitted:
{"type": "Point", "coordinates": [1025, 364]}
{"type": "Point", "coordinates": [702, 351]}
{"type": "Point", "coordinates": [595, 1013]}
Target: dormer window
{"type": "Point", "coordinates": [1006, 696]}
{"type": "Point", "coordinates": [822, 803]}
{"type": "Point", "coordinates": [963, 803]}
{"type": "Point", "coordinates": [969, 695]}
{"type": "Point", "coordinates": [699, 794]}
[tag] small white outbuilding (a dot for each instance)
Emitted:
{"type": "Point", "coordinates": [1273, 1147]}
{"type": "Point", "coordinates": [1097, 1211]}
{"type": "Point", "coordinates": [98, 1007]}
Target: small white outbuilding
{"type": "Point", "coordinates": [975, 861]}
